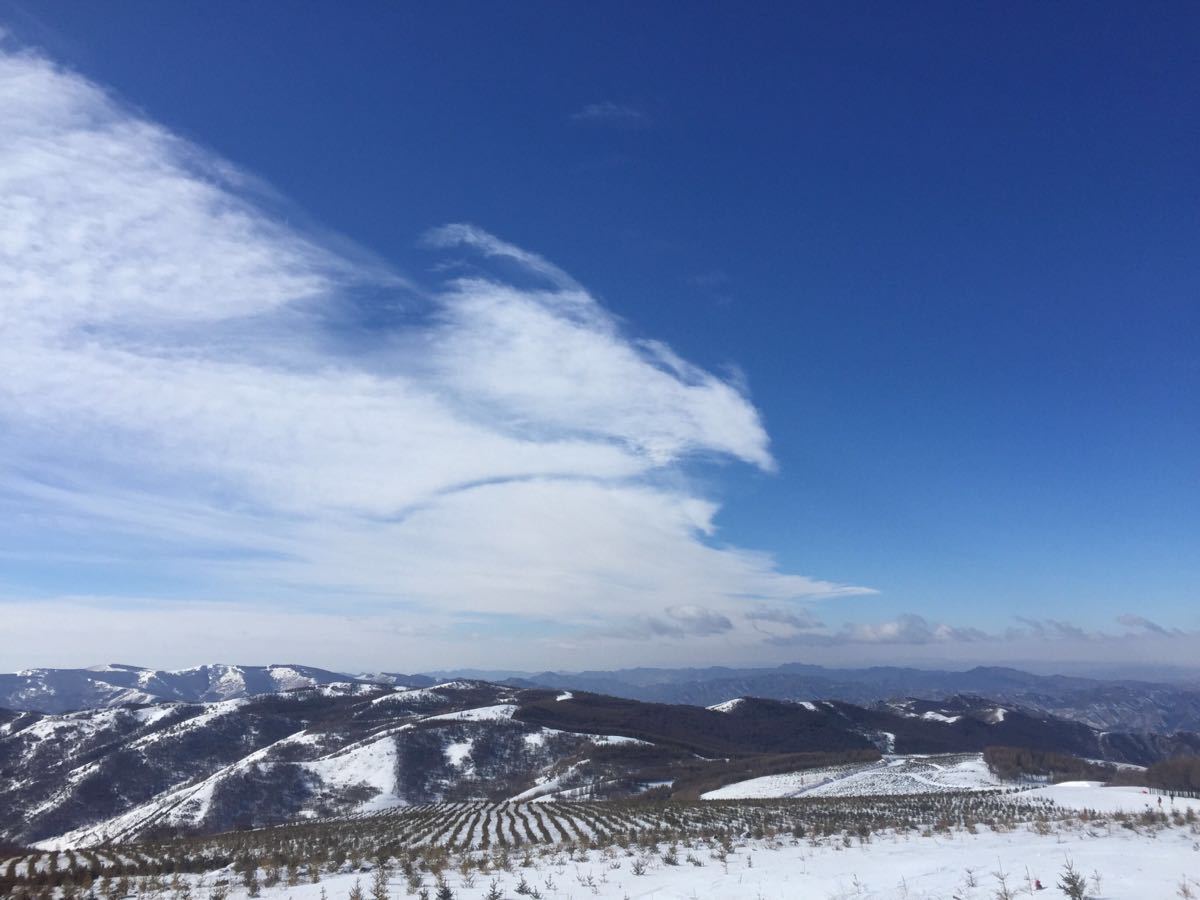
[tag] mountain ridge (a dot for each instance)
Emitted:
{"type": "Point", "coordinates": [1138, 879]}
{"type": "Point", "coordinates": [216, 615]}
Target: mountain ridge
{"type": "Point", "coordinates": [1106, 704]}
{"type": "Point", "coordinates": [353, 747]}
{"type": "Point", "coordinates": [51, 690]}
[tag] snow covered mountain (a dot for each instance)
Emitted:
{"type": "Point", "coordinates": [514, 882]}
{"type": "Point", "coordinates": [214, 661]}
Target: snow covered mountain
{"type": "Point", "coordinates": [1107, 705]}
{"type": "Point", "coordinates": [316, 751]}
{"type": "Point", "coordinates": [352, 747]}
{"type": "Point", "coordinates": [100, 687]}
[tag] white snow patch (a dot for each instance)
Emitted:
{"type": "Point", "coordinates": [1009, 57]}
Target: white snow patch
{"type": "Point", "coordinates": [459, 752]}
{"type": "Point", "coordinates": [890, 776]}
{"type": "Point", "coordinates": [1096, 796]}
{"type": "Point", "coordinates": [232, 681]}
{"type": "Point", "coordinates": [373, 764]}
{"type": "Point", "coordinates": [288, 678]}
{"type": "Point", "coordinates": [209, 712]}
{"type": "Point", "coordinates": [932, 716]}
{"type": "Point", "coordinates": [728, 705]}
{"type": "Point", "coordinates": [787, 784]}
{"type": "Point", "coordinates": [608, 739]}
{"type": "Point", "coordinates": [151, 714]}
{"type": "Point", "coordinates": [478, 714]}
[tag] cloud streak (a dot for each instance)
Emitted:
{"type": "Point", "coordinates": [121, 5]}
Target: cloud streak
{"type": "Point", "coordinates": [907, 629]}
{"type": "Point", "coordinates": [182, 402]}
{"type": "Point", "coordinates": [606, 112]}
{"type": "Point", "coordinates": [802, 628]}
{"type": "Point", "coordinates": [1141, 623]}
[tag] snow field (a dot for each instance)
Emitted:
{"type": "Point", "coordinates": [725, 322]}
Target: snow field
{"type": "Point", "coordinates": [889, 867]}
{"type": "Point", "coordinates": [1094, 796]}
{"type": "Point", "coordinates": [913, 775]}
{"type": "Point", "coordinates": [481, 826]}
{"type": "Point", "coordinates": [892, 775]}
{"type": "Point", "coordinates": [908, 865]}
{"type": "Point", "coordinates": [495, 713]}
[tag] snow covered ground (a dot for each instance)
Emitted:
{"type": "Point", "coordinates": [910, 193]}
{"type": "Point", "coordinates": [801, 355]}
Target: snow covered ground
{"type": "Point", "coordinates": [1095, 796]}
{"type": "Point", "coordinates": [495, 713]}
{"type": "Point", "coordinates": [891, 775]}
{"type": "Point", "coordinates": [895, 775]}
{"type": "Point", "coordinates": [1123, 858]}
{"type": "Point", "coordinates": [958, 866]}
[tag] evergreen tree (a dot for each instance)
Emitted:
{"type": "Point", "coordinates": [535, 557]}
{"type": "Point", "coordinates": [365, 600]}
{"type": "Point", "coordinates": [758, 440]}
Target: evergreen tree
{"type": "Point", "coordinates": [379, 884]}
{"type": "Point", "coordinates": [1072, 883]}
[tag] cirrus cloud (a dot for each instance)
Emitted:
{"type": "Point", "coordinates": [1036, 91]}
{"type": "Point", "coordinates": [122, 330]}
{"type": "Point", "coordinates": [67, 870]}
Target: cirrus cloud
{"type": "Point", "coordinates": [607, 112]}
{"type": "Point", "coordinates": [200, 393]}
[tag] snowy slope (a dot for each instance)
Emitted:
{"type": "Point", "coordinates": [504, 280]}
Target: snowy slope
{"type": "Point", "coordinates": [891, 867]}
{"type": "Point", "coordinates": [1094, 796]}
{"type": "Point", "coordinates": [351, 748]}
{"type": "Point", "coordinates": [891, 775]}
{"type": "Point", "coordinates": [951, 862]}
{"type": "Point", "coordinates": [315, 752]}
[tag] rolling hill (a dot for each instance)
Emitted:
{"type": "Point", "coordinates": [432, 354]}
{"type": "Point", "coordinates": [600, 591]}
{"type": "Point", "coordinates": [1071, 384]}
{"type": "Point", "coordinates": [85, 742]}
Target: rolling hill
{"type": "Point", "coordinates": [355, 747]}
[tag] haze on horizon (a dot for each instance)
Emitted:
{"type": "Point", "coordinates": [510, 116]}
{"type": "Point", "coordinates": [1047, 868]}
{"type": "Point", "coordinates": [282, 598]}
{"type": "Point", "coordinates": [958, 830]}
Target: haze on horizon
{"type": "Point", "coordinates": [403, 339]}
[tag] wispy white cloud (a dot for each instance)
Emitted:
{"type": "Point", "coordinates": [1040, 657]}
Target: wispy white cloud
{"type": "Point", "coordinates": [798, 619]}
{"type": "Point", "coordinates": [176, 401]}
{"type": "Point", "coordinates": [909, 629]}
{"type": "Point", "coordinates": [1049, 628]}
{"type": "Point", "coordinates": [906, 629]}
{"type": "Point", "coordinates": [1141, 623]}
{"type": "Point", "coordinates": [381, 636]}
{"type": "Point", "coordinates": [607, 112]}
{"type": "Point", "coordinates": [677, 622]}
{"type": "Point", "coordinates": [800, 627]}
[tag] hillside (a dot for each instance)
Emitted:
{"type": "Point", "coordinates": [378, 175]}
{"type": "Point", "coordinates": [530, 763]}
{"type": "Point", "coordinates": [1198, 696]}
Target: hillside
{"type": "Point", "coordinates": [969, 845]}
{"type": "Point", "coordinates": [1107, 705]}
{"type": "Point", "coordinates": [1110, 705]}
{"type": "Point", "coordinates": [356, 747]}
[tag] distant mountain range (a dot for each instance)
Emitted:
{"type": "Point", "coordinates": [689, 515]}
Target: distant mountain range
{"type": "Point", "coordinates": [1111, 705]}
{"type": "Point", "coordinates": [1116, 705]}
{"type": "Point", "coordinates": [101, 687]}
{"type": "Point", "coordinates": [350, 747]}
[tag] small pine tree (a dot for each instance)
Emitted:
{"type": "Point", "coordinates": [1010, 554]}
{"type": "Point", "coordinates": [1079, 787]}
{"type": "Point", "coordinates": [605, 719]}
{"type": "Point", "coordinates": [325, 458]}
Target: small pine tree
{"type": "Point", "coordinates": [379, 884]}
{"type": "Point", "coordinates": [1072, 883]}
{"type": "Point", "coordinates": [1003, 891]}
{"type": "Point", "coordinates": [356, 892]}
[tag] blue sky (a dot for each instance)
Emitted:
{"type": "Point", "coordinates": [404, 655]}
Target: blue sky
{"type": "Point", "coordinates": [932, 269]}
